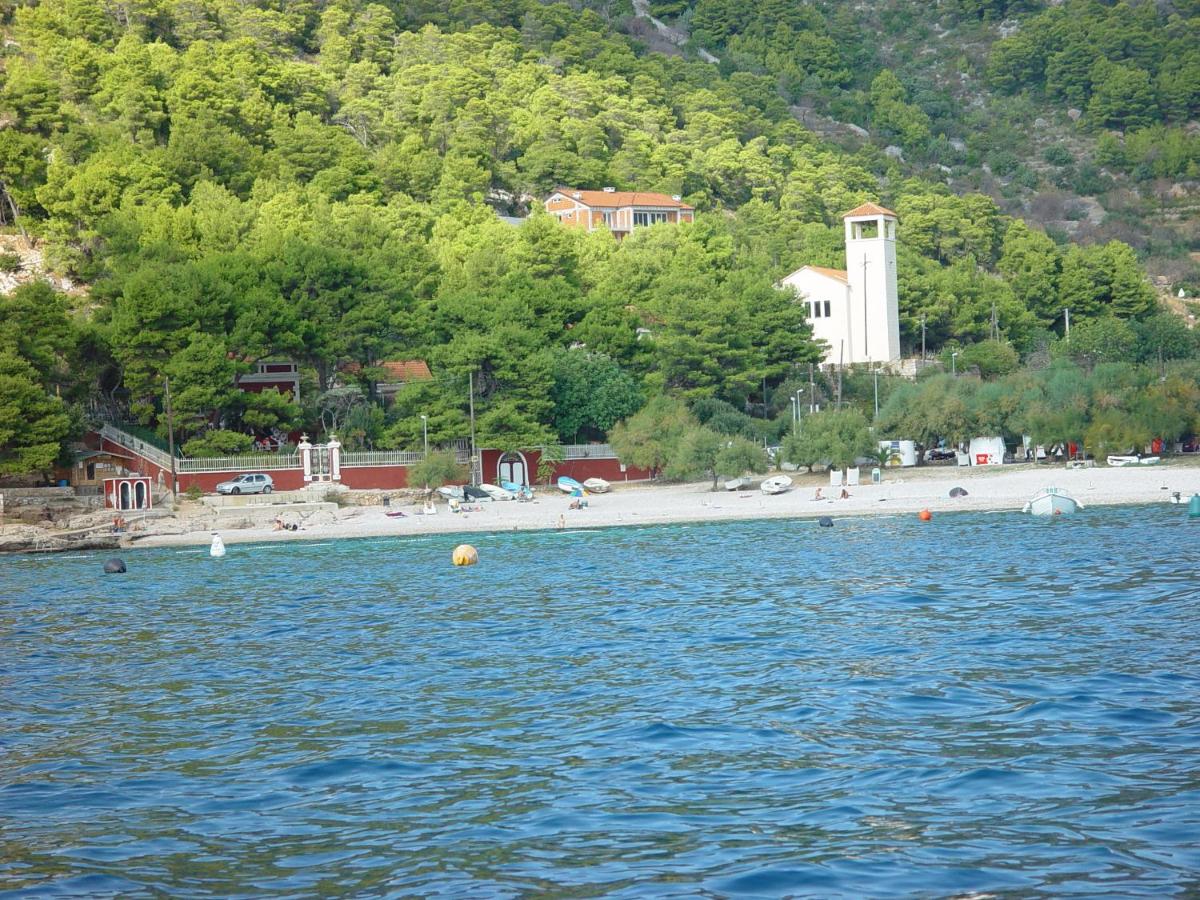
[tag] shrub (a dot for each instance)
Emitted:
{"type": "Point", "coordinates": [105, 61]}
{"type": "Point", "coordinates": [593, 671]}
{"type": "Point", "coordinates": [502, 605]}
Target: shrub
{"type": "Point", "coordinates": [10, 262]}
{"type": "Point", "coordinates": [218, 443]}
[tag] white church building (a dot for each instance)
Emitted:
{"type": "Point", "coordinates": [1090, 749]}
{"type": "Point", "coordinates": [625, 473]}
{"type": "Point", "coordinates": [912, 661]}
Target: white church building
{"type": "Point", "coordinates": [856, 310]}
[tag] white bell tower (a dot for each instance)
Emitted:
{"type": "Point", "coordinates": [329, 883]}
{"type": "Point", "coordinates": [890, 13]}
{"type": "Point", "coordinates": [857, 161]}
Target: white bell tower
{"type": "Point", "coordinates": [874, 308]}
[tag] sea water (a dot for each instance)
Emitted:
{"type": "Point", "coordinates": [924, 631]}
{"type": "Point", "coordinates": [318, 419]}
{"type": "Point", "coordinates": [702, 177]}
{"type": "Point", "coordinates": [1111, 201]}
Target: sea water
{"type": "Point", "coordinates": [982, 703]}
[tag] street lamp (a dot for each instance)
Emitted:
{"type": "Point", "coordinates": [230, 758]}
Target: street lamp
{"type": "Point", "coordinates": [796, 408]}
{"type": "Point", "coordinates": [425, 432]}
{"type": "Point", "coordinates": [954, 364]}
{"type": "Point", "coordinates": [876, 373]}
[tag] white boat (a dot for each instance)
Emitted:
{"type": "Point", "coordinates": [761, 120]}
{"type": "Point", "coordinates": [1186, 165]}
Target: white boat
{"type": "Point", "coordinates": [451, 492]}
{"type": "Point", "coordinates": [497, 493]}
{"type": "Point", "coordinates": [1133, 460]}
{"type": "Point", "coordinates": [776, 485]}
{"type": "Point", "coordinates": [1052, 502]}
{"type": "Point", "coordinates": [736, 484]}
{"type": "Point", "coordinates": [597, 486]}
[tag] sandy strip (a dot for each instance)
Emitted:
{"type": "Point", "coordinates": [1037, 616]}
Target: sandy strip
{"type": "Point", "coordinates": [903, 491]}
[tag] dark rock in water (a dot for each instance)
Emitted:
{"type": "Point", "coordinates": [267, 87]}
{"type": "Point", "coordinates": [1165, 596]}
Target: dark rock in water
{"type": "Point", "coordinates": [114, 566]}
{"type": "Point", "coordinates": [958, 492]}
{"type": "Point", "coordinates": [825, 522]}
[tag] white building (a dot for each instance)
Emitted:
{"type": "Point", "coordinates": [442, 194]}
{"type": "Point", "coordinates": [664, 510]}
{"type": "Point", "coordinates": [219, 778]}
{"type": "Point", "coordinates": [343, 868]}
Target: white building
{"type": "Point", "coordinates": [856, 310]}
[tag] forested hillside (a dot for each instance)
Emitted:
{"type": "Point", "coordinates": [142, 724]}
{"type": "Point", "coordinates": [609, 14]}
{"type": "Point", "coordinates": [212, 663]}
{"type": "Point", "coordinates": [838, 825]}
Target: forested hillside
{"type": "Point", "coordinates": [321, 181]}
{"type": "Point", "coordinates": [1079, 115]}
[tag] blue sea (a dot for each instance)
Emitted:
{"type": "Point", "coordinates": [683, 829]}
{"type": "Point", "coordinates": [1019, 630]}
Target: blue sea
{"type": "Point", "coordinates": [986, 703]}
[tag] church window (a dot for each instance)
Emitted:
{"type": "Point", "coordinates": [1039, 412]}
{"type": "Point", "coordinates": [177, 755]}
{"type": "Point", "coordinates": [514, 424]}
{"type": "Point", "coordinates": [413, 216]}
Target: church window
{"type": "Point", "coordinates": [816, 309]}
{"type": "Point", "coordinates": [827, 309]}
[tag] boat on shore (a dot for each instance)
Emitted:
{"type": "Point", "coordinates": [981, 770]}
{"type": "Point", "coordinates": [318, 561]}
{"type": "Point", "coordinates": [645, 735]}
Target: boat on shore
{"type": "Point", "coordinates": [597, 486]}
{"type": "Point", "coordinates": [569, 485]}
{"type": "Point", "coordinates": [1052, 502]}
{"type": "Point", "coordinates": [1137, 460]}
{"type": "Point", "coordinates": [779, 484]}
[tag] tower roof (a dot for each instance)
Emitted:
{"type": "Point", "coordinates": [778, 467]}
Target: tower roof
{"type": "Point", "coordinates": [869, 209]}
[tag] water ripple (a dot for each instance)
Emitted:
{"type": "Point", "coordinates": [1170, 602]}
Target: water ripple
{"type": "Point", "coordinates": [988, 704]}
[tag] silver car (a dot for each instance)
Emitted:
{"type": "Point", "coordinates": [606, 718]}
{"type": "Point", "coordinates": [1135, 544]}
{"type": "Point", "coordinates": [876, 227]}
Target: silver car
{"type": "Point", "coordinates": [252, 483]}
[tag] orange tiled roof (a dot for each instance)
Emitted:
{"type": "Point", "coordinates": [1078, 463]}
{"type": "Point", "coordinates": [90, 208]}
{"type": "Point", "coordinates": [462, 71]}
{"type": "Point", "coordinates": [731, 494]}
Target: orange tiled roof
{"type": "Point", "coordinates": [869, 209]}
{"type": "Point", "coordinates": [839, 274]}
{"type": "Point", "coordinates": [615, 199]}
{"type": "Point", "coordinates": [397, 370]}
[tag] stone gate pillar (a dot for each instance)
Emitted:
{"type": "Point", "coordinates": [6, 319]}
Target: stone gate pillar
{"type": "Point", "coordinates": [305, 449]}
{"type": "Point", "coordinates": [335, 458]}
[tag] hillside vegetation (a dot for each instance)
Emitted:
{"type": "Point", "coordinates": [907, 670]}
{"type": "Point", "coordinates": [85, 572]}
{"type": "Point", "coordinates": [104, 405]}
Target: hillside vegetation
{"type": "Point", "coordinates": [320, 181]}
{"type": "Point", "coordinates": [1080, 116]}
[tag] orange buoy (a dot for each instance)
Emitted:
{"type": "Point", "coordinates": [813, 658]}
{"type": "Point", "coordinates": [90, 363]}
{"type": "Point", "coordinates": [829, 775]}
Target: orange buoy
{"type": "Point", "coordinates": [465, 555]}
{"type": "Point", "coordinates": [924, 515]}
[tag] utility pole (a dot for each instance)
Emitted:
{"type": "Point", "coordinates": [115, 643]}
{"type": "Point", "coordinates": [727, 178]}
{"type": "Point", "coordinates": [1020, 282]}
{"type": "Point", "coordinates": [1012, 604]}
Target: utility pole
{"type": "Point", "coordinates": [471, 393]}
{"type": "Point", "coordinates": [922, 336]}
{"type": "Point", "coordinates": [876, 392]}
{"type": "Point", "coordinates": [170, 436]}
{"type": "Point", "coordinates": [1067, 318]}
{"type": "Point", "coordinates": [841, 365]}
{"type": "Point", "coordinates": [812, 390]}
{"type": "Point", "coordinates": [995, 322]}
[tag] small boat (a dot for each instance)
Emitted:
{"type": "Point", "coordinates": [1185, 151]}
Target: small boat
{"type": "Point", "coordinates": [569, 485]}
{"type": "Point", "coordinates": [475, 492]}
{"type": "Point", "coordinates": [777, 485]}
{"type": "Point", "coordinates": [497, 493]}
{"type": "Point", "coordinates": [596, 486]}
{"type": "Point", "coordinates": [451, 492]}
{"type": "Point", "coordinates": [736, 484]}
{"type": "Point", "coordinates": [1052, 502]}
{"type": "Point", "coordinates": [520, 491]}
{"type": "Point", "coordinates": [1134, 460]}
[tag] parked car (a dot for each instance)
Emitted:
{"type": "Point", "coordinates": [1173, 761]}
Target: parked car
{"type": "Point", "coordinates": [251, 483]}
{"type": "Point", "coordinates": [940, 454]}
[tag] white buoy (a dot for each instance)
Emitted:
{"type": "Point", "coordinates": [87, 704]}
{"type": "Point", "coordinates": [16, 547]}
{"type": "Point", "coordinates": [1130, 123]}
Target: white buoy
{"type": "Point", "coordinates": [218, 546]}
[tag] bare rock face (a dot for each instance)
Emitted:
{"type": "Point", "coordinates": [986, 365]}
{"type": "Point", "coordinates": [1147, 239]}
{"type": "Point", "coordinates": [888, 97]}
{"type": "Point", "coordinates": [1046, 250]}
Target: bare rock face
{"type": "Point", "coordinates": [893, 151]}
{"type": "Point", "coordinates": [1074, 114]}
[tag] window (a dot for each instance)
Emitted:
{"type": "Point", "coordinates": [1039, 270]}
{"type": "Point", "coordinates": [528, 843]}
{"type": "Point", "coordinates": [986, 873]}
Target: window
{"type": "Point", "coordinates": [648, 218]}
{"type": "Point", "coordinates": [827, 313]}
{"type": "Point", "coordinates": [816, 309]}
{"type": "Point", "coordinates": [608, 219]}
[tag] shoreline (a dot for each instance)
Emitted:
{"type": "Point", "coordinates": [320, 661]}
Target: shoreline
{"type": "Point", "coordinates": [901, 492]}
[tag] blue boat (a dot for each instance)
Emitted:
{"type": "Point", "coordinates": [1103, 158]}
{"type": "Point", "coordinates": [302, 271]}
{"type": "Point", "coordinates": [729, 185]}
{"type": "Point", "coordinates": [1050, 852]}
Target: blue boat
{"type": "Point", "coordinates": [569, 485]}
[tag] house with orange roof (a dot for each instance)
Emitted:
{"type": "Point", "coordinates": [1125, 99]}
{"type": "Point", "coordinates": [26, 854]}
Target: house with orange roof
{"type": "Point", "coordinates": [392, 375]}
{"type": "Point", "coordinates": [621, 212]}
{"type": "Point", "coordinates": [856, 310]}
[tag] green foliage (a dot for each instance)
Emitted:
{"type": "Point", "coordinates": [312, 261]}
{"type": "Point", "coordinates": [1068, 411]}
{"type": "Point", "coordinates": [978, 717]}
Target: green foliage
{"type": "Point", "coordinates": [650, 438]}
{"type": "Point", "coordinates": [835, 438]}
{"type": "Point", "coordinates": [591, 394]}
{"type": "Point", "coordinates": [991, 359]}
{"type": "Point", "coordinates": [10, 262]}
{"type": "Point", "coordinates": [218, 442]}
{"type": "Point", "coordinates": [438, 468]}
{"type": "Point", "coordinates": [257, 181]}
{"type": "Point", "coordinates": [33, 424]}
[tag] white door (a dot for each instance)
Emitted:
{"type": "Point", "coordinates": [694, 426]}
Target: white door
{"type": "Point", "coordinates": [512, 468]}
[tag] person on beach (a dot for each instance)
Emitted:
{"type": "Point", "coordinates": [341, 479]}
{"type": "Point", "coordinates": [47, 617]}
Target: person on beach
{"type": "Point", "coordinates": [845, 495]}
{"type": "Point", "coordinates": [817, 495]}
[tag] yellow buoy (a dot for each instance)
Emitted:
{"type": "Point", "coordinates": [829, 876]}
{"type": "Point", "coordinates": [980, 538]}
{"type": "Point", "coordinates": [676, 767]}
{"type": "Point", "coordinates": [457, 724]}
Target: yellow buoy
{"type": "Point", "coordinates": [465, 555]}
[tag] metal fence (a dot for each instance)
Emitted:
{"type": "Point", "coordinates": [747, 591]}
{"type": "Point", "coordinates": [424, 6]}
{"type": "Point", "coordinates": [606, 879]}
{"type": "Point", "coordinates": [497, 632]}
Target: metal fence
{"type": "Point", "coordinates": [588, 451]}
{"type": "Point", "coordinates": [143, 448]}
{"type": "Point", "coordinates": [247, 462]}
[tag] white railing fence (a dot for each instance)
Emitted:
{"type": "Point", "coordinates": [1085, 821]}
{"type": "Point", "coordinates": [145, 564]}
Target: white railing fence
{"type": "Point", "coordinates": [588, 451]}
{"type": "Point", "coordinates": [247, 462]}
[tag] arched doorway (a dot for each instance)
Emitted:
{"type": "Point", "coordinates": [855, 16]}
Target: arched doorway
{"type": "Point", "coordinates": [512, 467]}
